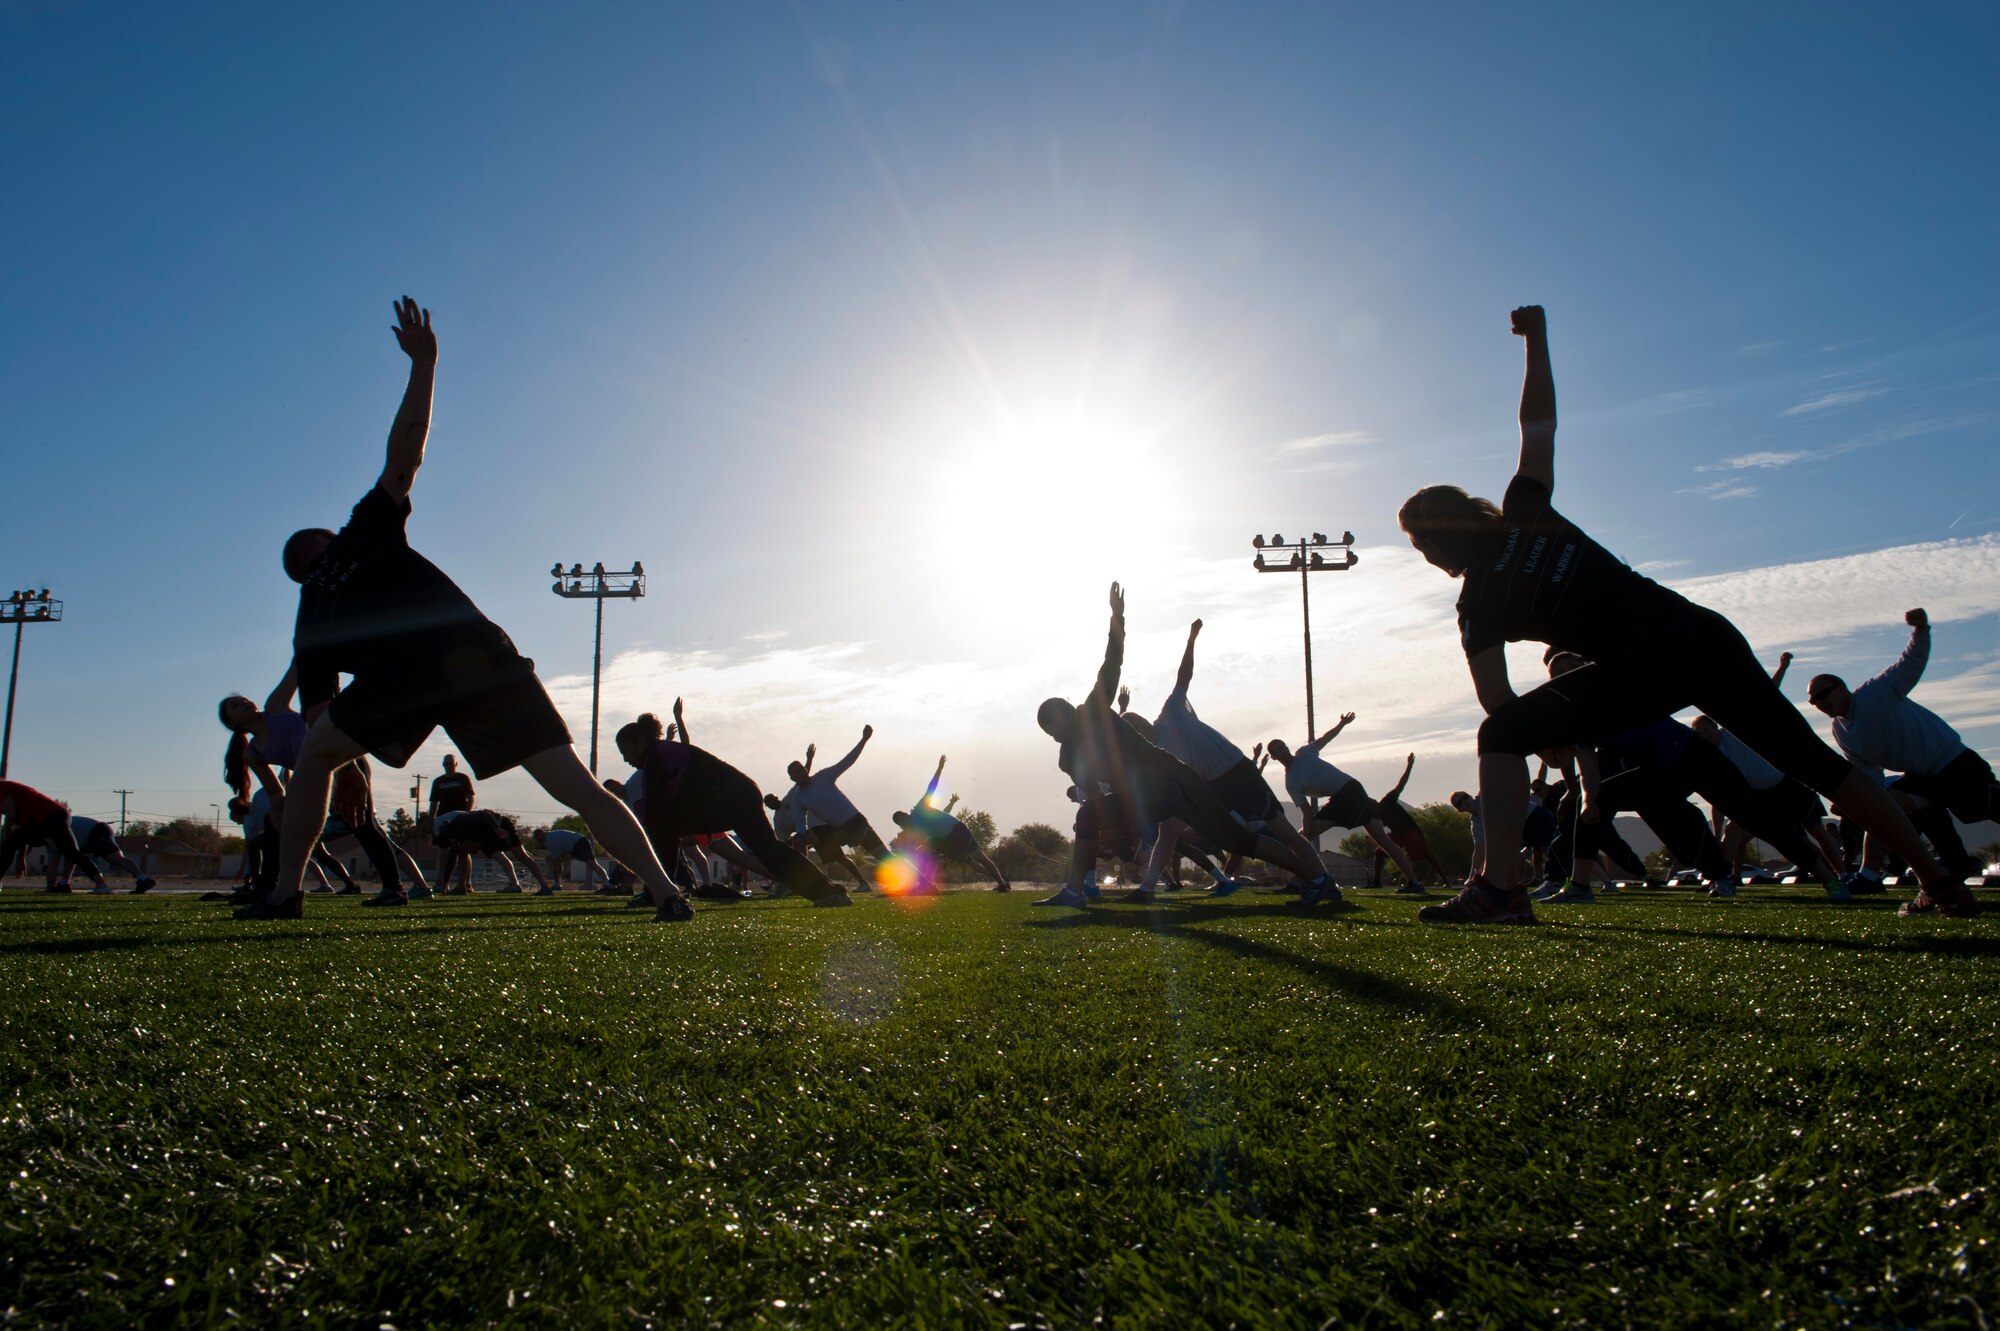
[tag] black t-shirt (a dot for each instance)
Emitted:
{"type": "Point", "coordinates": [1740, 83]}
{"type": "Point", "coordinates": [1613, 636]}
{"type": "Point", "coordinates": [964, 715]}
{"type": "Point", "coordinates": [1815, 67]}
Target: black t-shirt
{"type": "Point", "coordinates": [1543, 580]}
{"type": "Point", "coordinates": [451, 793]}
{"type": "Point", "coordinates": [371, 604]}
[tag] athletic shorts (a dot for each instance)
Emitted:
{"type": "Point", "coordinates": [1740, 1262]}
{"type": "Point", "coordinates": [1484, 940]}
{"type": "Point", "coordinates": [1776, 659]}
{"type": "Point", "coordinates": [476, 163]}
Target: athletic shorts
{"type": "Point", "coordinates": [101, 843]}
{"type": "Point", "coordinates": [1965, 786]}
{"type": "Point", "coordinates": [1244, 791]}
{"type": "Point", "coordinates": [1539, 828]}
{"type": "Point", "coordinates": [492, 705]}
{"type": "Point", "coordinates": [1102, 821]}
{"type": "Point", "coordinates": [1412, 839]}
{"type": "Point", "coordinates": [1784, 807]}
{"type": "Point", "coordinates": [1348, 807]}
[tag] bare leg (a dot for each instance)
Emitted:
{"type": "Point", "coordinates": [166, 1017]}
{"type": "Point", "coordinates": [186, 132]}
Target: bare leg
{"type": "Point", "coordinates": [409, 864]}
{"type": "Point", "coordinates": [326, 748]}
{"type": "Point", "coordinates": [1394, 850]}
{"type": "Point", "coordinates": [1503, 805]}
{"type": "Point", "coordinates": [1877, 810]}
{"type": "Point", "coordinates": [611, 824]}
{"type": "Point", "coordinates": [508, 857]}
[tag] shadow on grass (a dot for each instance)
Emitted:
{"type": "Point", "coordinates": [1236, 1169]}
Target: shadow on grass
{"type": "Point", "coordinates": [1362, 986]}
{"type": "Point", "coordinates": [1972, 946]}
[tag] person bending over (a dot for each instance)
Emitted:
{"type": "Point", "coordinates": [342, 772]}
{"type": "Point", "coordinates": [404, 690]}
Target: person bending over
{"type": "Point", "coordinates": [1405, 832]}
{"type": "Point", "coordinates": [97, 842]}
{"type": "Point", "coordinates": [1344, 803]}
{"type": "Point", "coordinates": [842, 826]}
{"type": "Point", "coordinates": [421, 656]}
{"type": "Point", "coordinates": [1530, 574]}
{"type": "Point", "coordinates": [944, 836]}
{"type": "Point", "coordinates": [1879, 726]}
{"type": "Point", "coordinates": [493, 835]}
{"type": "Point", "coordinates": [30, 818]}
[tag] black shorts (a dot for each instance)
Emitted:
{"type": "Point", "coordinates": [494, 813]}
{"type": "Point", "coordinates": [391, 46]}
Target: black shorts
{"type": "Point", "coordinates": [1965, 786]}
{"type": "Point", "coordinates": [1783, 808]}
{"type": "Point", "coordinates": [489, 701]}
{"type": "Point", "coordinates": [1348, 807]}
{"type": "Point", "coordinates": [1243, 790]}
{"type": "Point", "coordinates": [485, 829]}
{"type": "Point", "coordinates": [1103, 821]}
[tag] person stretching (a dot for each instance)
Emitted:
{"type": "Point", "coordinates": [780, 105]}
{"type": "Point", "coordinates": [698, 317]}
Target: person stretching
{"type": "Point", "coordinates": [563, 848]}
{"type": "Point", "coordinates": [690, 790]}
{"type": "Point", "coordinates": [944, 836]}
{"type": "Point", "coordinates": [1879, 726]}
{"type": "Point", "coordinates": [492, 835]}
{"type": "Point", "coordinates": [1405, 832]}
{"type": "Point", "coordinates": [1529, 573]}
{"type": "Point", "coordinates": [1130, 790]}
{"type": "Point", "coordinates": [30, 818]}
{"type": "Point", "coordinates": [97, 842]}
{"type": "Point", "coordinates": [452, 792]}
{"type": "Point", "coordinates": [421, 656]}
{"type": "Point", "coordinates": [842, 825]}
{"type": "Point", "coordinates": [1233, 776]}
{"type": "Point", "coordinates": [1308, 776]}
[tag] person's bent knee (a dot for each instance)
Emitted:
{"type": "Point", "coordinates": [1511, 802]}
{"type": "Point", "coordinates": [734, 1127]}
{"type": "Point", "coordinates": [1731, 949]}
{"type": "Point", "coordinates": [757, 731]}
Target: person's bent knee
{"type": "Point", "coordinates": [1503, 733]}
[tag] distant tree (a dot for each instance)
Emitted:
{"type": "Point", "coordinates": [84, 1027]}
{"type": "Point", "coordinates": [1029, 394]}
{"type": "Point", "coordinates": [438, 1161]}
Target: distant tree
{"type": "Point", "coordinates": [1659, 864]}
{"type": "Point", "coordinates": [1357, 845]}
{"type": "Point", "coordinates": [139, 828]}
{"type": "Point", "coordinates": [195, 833]}
{"type": "Point", "coordinates": [980, 823]}
{"type": "Point", "coordinates": [401, 827]}
{"type": "Point", "coordinates": [1450, 835]}
{"type": "Point", "coordinates": [571, 822]}
{"type": "Point", "coordinates": [232, 845]}
{"type": "Point", "coordinates": [1033, 851]}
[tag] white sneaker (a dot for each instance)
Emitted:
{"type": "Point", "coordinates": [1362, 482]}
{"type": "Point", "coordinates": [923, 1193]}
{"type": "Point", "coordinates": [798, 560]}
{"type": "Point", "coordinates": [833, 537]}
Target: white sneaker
{"type": "Point", "coordinates": [1723, 891]}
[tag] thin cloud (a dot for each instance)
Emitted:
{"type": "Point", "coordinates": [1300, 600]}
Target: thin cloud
{"type": "Point", "coordinates": [1840, 397]}
{"type": "Point", "coordinates": [1333, 439]}
{"type": "Point", "coordinates": [1725, 489]}
{"type": "Point", "coordinates": [1653, 566]}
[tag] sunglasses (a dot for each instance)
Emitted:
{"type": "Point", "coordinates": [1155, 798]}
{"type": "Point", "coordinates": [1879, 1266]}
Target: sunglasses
{"type": "Point", "coordinates": [1817, 698]}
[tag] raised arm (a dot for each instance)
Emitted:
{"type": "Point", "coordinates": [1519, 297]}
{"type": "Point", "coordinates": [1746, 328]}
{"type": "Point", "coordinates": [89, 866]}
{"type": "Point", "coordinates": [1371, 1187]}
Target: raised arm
{"type": "Point", "coordinates": [1396, 791]}
{"type": "Point", "coordinates": [281, 697]}
{"type": "Point", "coordinates": [936, 777]}
{"type": "Point", "coordinates": [1538, 399]}
{"type": "Point", "coordinates": [1338, 726]}
{"type": "Point", "coordinates": [681, 721]}
{"type": "Point", "coordinates": [1114, 650]}
{"type": "Point", "coordinates": [1784, 664]}
{"type": "Point", "coordinates": [1186, 676]}
{"type": "Point", "coordinates": [413, 418]}
{"type": "Point", "coordinates": [839, 769]}
{"type": "Point", "coordinates": [1909, 667]}
{"type": "Point", "coordinates": [812, 751]}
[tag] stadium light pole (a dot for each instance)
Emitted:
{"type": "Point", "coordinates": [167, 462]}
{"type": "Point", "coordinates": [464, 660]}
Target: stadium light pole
{"type": "Point", "coordinates": [598, 586]}
{"type": "Point", "coordinates": [22, 609]}
{"type": "Point", "coordinates": [1307, 557]}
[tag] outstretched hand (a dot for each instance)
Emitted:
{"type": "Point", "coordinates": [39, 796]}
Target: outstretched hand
{"type": "Point", "coordinates": [1194, 629]}
{"type": "Point", "coordinates": [1346, 717]}
{"type": "Point", "coordinates": [1916, 619]}
{"type": "Point", "coordinates": [1530, 321]}
{"type": "Point", "coordinates": [1117, 600]}
{"type": "Point", "coordinates": [1784, 658]}
{"type": "Point", "coordinates": [868, 732]}
{"type": "Point", "coordinates": [413, 333]}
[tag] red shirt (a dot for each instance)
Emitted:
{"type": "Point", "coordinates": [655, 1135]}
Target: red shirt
{"type": "Point", "coordinates": [31, 805]}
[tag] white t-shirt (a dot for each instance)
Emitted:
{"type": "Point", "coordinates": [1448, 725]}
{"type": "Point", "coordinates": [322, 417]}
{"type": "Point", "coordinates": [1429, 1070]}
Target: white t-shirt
{"type": "Point", "coordinates": [561, 842]}
{"type": "Point", "coordinates": [824, 800]}
{"type": "Point", "coordinates": [1757, 773]}
{"type": "Point", "coordinates": [1192, 740]}
{"type": "Point", "coordinates": [1313, 777]}
{"type": "Point", "coordinates": [81, 827]}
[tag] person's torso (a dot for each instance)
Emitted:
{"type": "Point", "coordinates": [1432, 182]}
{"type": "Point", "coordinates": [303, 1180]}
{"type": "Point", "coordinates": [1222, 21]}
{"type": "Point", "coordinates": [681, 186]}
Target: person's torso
{"type": "Point", "coordinates": [452, 793]}
{"type": "Point", "coordinates": [561, 842]}
{"type": "Point", "coordinates": [1757, 774]}
{"type": "Point", "coordinates": [1884, 728]}
{"type": "Point", "coordinates": [284, 737]}
{"type": "Point", "coordinates": [1201, 746]}
{"type": "Point", "coordinates": [1311, 776]}
{"type": "Point", "coordinates": [822, 797]}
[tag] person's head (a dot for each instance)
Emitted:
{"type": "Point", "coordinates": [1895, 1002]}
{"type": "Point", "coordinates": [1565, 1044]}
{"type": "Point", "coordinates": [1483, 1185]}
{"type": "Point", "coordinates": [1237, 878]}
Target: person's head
{"type": "Point", "coordinates": [1462, 801]}
{"type": "Point", "coordinates": [634, 738]}
{"type": "Point", "coordinates": [1057, 718]}
{"type": "Point", "coordinates": [1281, 751]}
{"type": "Point", "coordinates": [900, 819]}
{"type": "Point", "coordinates": [237, 713]}
{"type": "Point", "coordinates": [303, 549]}
{"type": "Point", "coordinates": [1448, 526]}
{"type": "Point", "coordinates": [796, 770]}
{"type": "Point", "coordinates": [1829, 694]}
{"type": "Point", "coordinates": [1705, 727]}
{"type": "Point", "coordinates": [450, 763]}
{"type": "Point", "coordinates": [771, 803]}
{"type": "Point", "coordinates": [1561, 663]}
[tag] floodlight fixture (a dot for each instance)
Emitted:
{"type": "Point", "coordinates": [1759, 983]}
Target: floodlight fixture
{"type": "Point", "coordinates": [599, 586]}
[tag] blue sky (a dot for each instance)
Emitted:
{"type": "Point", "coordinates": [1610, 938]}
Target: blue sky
{"type": "Point", "coordinates": [886, 335]}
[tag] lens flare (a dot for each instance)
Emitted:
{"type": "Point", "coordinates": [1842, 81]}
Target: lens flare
{"type": "Point", "coordinates": [907, 873]}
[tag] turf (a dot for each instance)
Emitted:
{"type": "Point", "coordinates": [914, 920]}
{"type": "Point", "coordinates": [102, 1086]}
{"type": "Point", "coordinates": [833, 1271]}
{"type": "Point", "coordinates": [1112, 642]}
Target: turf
{"type": "Point", "coordinates": [1653, 1112]}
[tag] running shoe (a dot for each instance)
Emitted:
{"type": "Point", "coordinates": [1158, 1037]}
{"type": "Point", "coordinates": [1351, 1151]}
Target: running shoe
{"type": "Point", "coordinates": [1960, 907]}
{"type": "Point", "coordinates": [1003, 887]}
{"type": "Point", "coordinates": [640, 898]}
{"type": "Point", "coordinates": [1610, 887]}
{"type": "Point", "coordinates": [610, 890]}
{"type": "Point", "coordinates": [1092, 892]}
{"type": "Point", "coordinates": [1548, 891]}
{"type": "Point", "coordinates": [1861, 882]}
{"type": "Point", "coordinates": [1723, 891]}
{"type": "Point", "coordinates": [675, 910]}
{"type": "Point", "coordinates": [835, 898]}
{"type": "Point", "coordinates": [216, 894]}
{"type": "Point", "coordinates": [292, 907]}
{"type": "Point", "coordinates": [421, 893]}
{"type": "Point", "coordinates": [1228, 887]}
{"type": "Point", "coordinates": [1837, 890]}
{"type": "Point", "coordinates": [144, 885]}
{"type": "Point", "coordinates": [351, 890]}
{"type": "Point", "coordinates": [1574, 894]}
{"type": "Point", "coordinates": [388, 899]}
{"type": "Point", "coordinates": [1482, 903]}
{"type": "Point", "coordinates": [545, 891]}
{"type": "Point", "coordinates": [322, 888]}
{"type": "Point", "coordinates": [102, 890]}
{"type": "Point", "coordinates": [511, 890]}
{"type": "Point", "coordinates": [1321, 892]}
{"type": "Point", "coordinates": [1069, 896]}
{"type": "Point", "coordinates": [59, 887]}
{"type": "Point", "coordinates": [1138, 896]}
{"type": "Point", "coordinates": [1412, 890]}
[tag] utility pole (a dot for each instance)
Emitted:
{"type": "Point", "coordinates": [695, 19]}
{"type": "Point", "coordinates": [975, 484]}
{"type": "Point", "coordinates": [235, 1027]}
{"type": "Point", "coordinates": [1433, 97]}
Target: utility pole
{"type": "Point", "coordinates": [121, 794]}
{"type": "Point", "coordinates": [1307, 557]}
{"type": "Point", "coordinates": [22, 609]}
{"type": "Point", "coordinates": [598, 586]}
{"type": "Point", "coordinates": [417, 799]}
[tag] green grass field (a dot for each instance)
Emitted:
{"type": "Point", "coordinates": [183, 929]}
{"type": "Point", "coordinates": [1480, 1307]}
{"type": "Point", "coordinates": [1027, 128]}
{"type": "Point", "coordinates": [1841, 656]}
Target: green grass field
{"type": "Point", "coordinates": [1655, 1112]}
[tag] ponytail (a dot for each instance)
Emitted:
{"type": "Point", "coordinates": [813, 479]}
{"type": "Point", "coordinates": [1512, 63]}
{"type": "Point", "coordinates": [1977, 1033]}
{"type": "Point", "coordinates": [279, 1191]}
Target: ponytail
{"type": "Point", "coordinates": [236, 765]}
